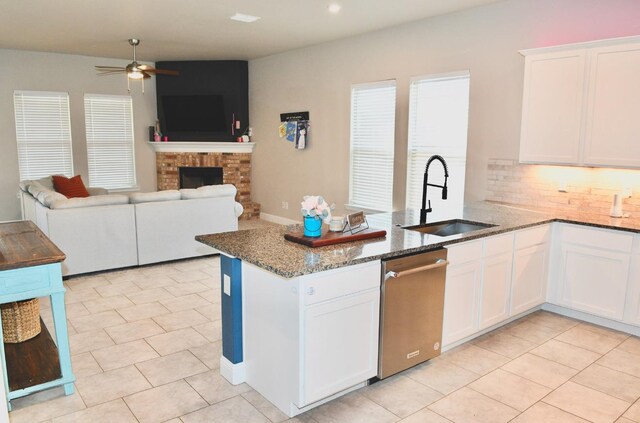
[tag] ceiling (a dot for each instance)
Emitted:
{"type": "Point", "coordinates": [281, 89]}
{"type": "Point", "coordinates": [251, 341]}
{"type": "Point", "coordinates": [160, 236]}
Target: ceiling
{"type": "Point", "coordinates": [199, 29]}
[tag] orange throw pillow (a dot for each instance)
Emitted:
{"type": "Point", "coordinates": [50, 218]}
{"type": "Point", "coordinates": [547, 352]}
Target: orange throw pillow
{"type": "Point", "coordinates": [70, 187]}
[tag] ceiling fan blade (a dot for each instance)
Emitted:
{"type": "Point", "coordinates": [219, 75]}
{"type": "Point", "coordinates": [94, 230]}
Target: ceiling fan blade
{"type": "Point", "coordinates": [163, 72]}
{"type": "Point", "coordinates": [101, 68]}
{"type": "Point", "coordinates": [146, 75]}
{"type": "Point", "coordinates": [110, 72]}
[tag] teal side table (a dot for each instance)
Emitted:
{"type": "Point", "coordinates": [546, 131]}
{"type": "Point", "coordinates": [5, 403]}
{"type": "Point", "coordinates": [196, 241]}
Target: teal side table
{"type": "Point", "coordinates": [30, 267]}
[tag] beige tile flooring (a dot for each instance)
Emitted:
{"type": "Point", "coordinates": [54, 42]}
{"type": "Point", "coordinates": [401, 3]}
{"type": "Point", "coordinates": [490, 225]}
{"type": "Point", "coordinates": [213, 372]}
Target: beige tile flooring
{"type": "Point", "coordinates": [146, 347]}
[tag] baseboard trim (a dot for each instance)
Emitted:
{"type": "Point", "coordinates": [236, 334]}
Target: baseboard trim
{"type": "Point", "coordinates": [590, 318]}
{"type": "Point", "coordinates": [234, 373]}
{"type": "Point", "coordinates": [278, 219]}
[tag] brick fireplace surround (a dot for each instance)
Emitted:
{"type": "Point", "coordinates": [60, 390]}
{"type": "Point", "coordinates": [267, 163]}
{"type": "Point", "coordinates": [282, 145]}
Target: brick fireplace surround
{"type": "Point", "coordinates": [236, 168]}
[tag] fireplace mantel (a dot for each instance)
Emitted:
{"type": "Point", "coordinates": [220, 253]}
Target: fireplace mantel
{"type": "Point", "coordinates": [202, 147]}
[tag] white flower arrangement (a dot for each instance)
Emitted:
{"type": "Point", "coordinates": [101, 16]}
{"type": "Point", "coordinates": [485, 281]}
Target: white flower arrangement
{"type": "Point", "coordinates": [316, 206]}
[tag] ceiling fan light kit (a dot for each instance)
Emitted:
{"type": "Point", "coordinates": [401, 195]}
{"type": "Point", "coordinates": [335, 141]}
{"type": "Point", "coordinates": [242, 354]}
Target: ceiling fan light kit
{"type": "Point", "coordinates": [134, 70]}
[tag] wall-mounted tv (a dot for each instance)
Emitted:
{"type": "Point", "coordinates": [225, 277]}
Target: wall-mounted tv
{"type": "Point", "coordinates": [201, 103]}
{"type": "Point", "coordinates": [194, 113]}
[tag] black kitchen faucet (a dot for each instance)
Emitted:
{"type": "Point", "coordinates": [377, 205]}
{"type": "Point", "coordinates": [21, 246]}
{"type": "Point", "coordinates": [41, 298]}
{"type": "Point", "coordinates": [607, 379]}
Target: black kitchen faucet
{"type": "Point", "coordinates": [425, 184]}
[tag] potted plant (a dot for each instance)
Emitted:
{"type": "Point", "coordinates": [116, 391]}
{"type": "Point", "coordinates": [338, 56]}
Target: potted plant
{"type": "Point", "coordinates": [315, 209]}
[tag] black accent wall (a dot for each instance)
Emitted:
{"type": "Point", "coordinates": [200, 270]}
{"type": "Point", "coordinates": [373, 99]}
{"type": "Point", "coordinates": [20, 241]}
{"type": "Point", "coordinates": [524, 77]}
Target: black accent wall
{"type": "Point", "coordinates": [229, 78]}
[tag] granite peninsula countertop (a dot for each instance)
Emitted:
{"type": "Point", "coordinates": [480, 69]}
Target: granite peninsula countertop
{"type": "Point", "coordinates": [266, 247]}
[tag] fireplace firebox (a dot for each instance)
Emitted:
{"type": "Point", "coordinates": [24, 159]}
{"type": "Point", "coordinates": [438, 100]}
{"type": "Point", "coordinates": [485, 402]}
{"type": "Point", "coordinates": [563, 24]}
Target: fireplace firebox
{"type": "Point", "coordinates": [195, 177]}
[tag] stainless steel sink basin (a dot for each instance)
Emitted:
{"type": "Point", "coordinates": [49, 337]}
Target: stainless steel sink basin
{"type": "Point", "coordinates": [449, 227]}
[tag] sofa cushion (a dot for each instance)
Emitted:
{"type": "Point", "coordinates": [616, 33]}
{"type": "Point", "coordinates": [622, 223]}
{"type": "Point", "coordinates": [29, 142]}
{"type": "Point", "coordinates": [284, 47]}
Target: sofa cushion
{"type": "Point", "coordinates": [149, 197]}
{"type": "Point", "coordinates": [98, 200]}
{"type": "Point", "coordinates": [48, 197]}
{"type": "Point", "coordinates": [70, 187]}
{"type": "Point", "coordinates": [207, 191]}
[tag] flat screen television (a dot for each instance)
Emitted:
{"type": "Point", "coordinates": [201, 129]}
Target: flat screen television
{"type": "Point", "coordinates": [194, 113]}
{"type": "Point", "coordinates": [201, 103]}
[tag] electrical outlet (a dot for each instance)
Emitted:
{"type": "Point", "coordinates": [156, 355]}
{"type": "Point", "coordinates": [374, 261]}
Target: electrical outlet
{"type": "Point", "coordinates": [285, 205]}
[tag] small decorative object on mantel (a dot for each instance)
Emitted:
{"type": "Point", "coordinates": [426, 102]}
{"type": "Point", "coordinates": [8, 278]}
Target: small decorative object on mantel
{"type": "Point", "coordinates": [315, 209]}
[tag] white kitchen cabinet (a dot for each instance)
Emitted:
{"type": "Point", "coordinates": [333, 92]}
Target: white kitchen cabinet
{"type": "Point", "coordinates": [552, 107]}
{"type": "Point", "coordinates": [612, 136]}
{"type": "Point", "coordinates": [462, 291]}
{"type": "Point", "coordinates": [340, 344]}
{"type": "Point", "coordinates": [461, 301]}
{"type": "Point", "coordinates": [310, 337]}
{"type": "Point", "coordinates": [529, 278]}
{"type": "Point", "coordinates": [496, 285]}
{"type": "Point", "coordinates": [530, 269]}
{"type": "Point", "coordinates": [592, 270]}
{"type": "Point", "coordinates": [577, 108]}
{"type": "Point", "coordinates": [632, 307]}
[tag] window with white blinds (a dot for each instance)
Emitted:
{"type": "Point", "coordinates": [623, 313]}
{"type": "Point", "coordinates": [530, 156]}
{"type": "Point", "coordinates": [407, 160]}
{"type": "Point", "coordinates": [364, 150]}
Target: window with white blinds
{"type": "Point", "coordinates": [438, 117]}
{"type": "Point", "coordinates": [110, 151]}
{"type": "Point", "coordinates": [373, 117]}
{"type": "Point", "coordinates": [43, 133]}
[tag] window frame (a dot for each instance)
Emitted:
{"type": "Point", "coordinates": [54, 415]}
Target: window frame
{"type": "Point", "coordinates": [95, 144]}
{"type": "Point", "coordinates": [23, 140]}
{"type": "Point", "coordinates": [355, 203]}
{"type": "Point", "coordinates": [465, 74]}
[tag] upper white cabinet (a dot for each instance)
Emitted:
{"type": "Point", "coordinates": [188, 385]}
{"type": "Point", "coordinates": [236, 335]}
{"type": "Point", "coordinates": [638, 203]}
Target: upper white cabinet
{"type": "Point", "coordinates": [552, 107]}
{"type": "Point", "coordinates": [612, 134]}
{"type": "Point", "coordinates": [580, 104]}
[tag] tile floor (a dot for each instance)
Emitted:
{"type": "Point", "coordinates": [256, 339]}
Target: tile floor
{"type": "Point", "coordinates": [146, 346]}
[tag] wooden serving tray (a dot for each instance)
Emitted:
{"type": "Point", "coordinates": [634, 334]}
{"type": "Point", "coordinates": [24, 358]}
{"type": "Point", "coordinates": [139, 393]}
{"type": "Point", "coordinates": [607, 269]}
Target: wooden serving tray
{"type": "Point", "coordinates": [330, 238]}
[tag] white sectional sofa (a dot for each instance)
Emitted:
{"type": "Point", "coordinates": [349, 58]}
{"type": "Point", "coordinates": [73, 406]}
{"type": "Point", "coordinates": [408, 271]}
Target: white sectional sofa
{"type": "Point", "coordinates": [109, 231]}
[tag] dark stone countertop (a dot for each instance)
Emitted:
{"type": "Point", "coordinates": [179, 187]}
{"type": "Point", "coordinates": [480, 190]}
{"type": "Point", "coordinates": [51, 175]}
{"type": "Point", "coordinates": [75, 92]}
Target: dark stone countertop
{"type": "Point", "coordinates": [266, 247]}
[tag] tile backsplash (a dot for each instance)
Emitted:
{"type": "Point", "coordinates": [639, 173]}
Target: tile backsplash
{"type": "Point", "coordinates": [562, 188]}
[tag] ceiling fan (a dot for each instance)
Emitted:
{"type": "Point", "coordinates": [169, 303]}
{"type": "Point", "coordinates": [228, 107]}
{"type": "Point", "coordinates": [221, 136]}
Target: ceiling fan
{"type": "Point", "coordinates": [134, 70]}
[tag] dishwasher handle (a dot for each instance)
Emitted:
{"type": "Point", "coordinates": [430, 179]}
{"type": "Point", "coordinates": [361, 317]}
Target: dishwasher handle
{"type": "Point", "coordinates": [437, 264]}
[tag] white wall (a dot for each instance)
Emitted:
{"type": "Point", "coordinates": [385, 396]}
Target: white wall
{"type": "Point", "coordinates": [23, 70]}
{"type": "Point", "coordinates": [484, 40]}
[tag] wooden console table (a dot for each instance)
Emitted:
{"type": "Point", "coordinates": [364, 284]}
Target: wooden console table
{"type": "Point", "coordinates": [30, 267]}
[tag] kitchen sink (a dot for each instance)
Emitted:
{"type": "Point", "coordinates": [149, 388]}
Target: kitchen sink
{"type": "Point", "coordinates": [449, 227]}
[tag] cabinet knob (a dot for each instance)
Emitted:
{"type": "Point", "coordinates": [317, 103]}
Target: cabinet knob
{"type": "Point", "coordinates": [311, 290]}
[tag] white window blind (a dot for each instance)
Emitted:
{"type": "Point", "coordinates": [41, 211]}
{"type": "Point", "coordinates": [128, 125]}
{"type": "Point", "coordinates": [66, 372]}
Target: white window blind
{"type": "Point", "coordinates": [43, 133]}
{"type": "Point", "coordinates": [438, 117]}
{"type": "Point", "coordinates": [373, 116]}
{"type": "Point", "coordinates": [110, 151]}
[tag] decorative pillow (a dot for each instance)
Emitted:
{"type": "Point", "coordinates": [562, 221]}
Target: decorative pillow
{"type": "Point", "coordinates": [70, 187]}
{"type": "Point", "coordinates": [150, 197]}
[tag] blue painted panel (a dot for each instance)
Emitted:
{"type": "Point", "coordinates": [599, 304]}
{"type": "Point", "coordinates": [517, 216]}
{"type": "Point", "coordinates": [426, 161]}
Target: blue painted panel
{"type": "Point", "coordinates": [231, 309]}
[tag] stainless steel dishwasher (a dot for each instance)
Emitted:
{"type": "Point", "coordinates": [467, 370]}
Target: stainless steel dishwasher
{"type": "Point", "coordinates": [411, 309]}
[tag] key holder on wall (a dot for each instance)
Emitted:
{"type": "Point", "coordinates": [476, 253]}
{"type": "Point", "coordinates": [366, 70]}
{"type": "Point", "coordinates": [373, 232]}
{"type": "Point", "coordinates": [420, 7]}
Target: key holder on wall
{"type": "Point", "coordinates": [294, 127]}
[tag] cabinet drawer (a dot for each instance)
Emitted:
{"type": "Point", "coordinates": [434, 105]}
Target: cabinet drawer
{"type": "Point", "coordinates": [498, 244]}
{"type": "Point", "coordinates": [24, 280]}
{"type": "Point", "coordinates": [530, 237]}
{"type": "Point", "coordinates": [340, 282]}
{"type": "Point", "coordinates": [464, 253]}
{"type": "Point", "coordinates": [598, 238]}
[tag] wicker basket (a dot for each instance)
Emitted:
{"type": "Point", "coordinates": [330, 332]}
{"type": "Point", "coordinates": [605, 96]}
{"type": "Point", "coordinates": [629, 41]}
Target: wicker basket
{"type": "Point", "coordinates": [20, 320]}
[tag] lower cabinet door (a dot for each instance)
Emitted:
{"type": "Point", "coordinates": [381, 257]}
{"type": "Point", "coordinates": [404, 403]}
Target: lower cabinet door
{"type": "Point", "coordinates": [594, 280]}
{"type": "Point", "coordinates": [528, 288]}
{"type": "Point", "coordinates": [340, 347]}
{"type": "Point", "coordinates": [496, 285]}
{"type": "Point", "coordinates": [461, 302]}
